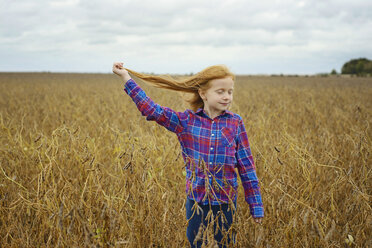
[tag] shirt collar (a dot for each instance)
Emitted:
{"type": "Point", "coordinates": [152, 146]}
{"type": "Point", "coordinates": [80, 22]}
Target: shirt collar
{"type": "Point", "coordinates": [201, 111]}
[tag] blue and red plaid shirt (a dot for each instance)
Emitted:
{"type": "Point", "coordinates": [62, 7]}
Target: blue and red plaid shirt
{"type": "Point", "coordinates": [211, 149]}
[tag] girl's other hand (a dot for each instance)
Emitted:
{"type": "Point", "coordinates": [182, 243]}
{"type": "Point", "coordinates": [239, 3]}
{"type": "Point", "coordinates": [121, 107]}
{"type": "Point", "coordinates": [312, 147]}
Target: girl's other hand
{"type": "Point", "coordinates": [258, 220]}
{"type": "Point", "coordinates": [118, 69]}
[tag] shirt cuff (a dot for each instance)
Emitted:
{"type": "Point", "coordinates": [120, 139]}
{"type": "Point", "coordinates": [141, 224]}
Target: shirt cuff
{"type": "Point", "coordinates": [257, 211]}
{"type": "Point", "coordinates": [125, 82]}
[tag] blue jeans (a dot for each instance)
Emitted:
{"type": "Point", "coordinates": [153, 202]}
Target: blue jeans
{"type": "Point", "coordinates": [223, 237]}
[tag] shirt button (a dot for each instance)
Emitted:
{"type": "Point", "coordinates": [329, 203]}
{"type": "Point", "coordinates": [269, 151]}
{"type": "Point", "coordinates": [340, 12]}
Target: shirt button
{"type": "Point", "coordinates": [211, 148]}
{"type": "Point", "coordinates": [210, 162]}
{"type": "Point", "coordinates": [209, 175]}
{"type": "Point", "coordinates": [212, 134]}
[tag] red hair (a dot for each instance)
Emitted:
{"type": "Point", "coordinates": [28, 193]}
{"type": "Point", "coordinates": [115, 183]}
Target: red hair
{"type": "Point", "coordinates": [189, 84]}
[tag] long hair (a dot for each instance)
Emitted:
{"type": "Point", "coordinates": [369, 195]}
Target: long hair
{"type": "Point", "coordinates": [190, 84]}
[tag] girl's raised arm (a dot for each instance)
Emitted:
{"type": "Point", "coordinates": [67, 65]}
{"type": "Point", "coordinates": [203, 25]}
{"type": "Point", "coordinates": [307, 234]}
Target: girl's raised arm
{"type": "Point", "coordinates": [170, 119]}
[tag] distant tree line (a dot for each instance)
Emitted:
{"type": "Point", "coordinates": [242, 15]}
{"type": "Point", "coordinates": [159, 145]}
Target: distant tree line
{"type": "Point", "coordinates": [359, 67]}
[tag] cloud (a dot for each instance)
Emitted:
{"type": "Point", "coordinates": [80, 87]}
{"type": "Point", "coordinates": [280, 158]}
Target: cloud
{"type": "Point", "coordinates": [180, 36]}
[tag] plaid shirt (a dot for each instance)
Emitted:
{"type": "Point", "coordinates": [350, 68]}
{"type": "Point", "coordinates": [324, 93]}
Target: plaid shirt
{"type": "Point", "coordinates": [211, 149]}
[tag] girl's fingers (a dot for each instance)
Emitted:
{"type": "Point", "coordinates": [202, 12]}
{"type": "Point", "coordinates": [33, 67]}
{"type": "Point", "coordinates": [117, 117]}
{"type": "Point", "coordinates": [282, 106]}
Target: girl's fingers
{"type": "Point", "coordinates": [118, 65]}
{"type": "Point", "coordinates": [258, 220]}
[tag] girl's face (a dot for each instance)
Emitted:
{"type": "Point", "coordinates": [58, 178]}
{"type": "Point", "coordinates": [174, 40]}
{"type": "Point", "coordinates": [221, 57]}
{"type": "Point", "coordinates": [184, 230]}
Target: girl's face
{"type": "Point", "coordinates": [218, 97]}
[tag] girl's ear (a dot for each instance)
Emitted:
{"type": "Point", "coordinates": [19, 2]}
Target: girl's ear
{"type": "Point", "coordinates": [201, 94]}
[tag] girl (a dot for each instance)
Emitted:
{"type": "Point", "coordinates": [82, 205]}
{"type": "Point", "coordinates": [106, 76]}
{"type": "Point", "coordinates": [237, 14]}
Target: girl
{"type": "Point", "coordinates": [214, 142]}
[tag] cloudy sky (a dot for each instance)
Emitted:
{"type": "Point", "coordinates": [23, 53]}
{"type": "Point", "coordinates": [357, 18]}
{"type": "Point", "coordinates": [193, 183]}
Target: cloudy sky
{"type": "Point", "coordinates": [183, 36]}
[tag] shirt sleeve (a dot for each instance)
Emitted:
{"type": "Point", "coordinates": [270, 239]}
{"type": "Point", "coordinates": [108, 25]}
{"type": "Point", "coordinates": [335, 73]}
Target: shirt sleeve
{"type": "Point", "coordinates": [170, 119]}
{"type": "Point", "coordinates": [247, 172]}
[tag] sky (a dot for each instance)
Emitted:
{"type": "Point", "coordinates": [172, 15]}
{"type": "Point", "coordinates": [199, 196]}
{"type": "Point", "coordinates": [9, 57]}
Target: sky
{"type": "Point", "coordinates": [184, 36]}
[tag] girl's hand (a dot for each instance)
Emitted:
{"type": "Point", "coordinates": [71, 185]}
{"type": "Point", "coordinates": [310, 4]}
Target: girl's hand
{"type": "Point", "coordinates": [258, 220]}
{"type": "Point", "coordinates": [118, 69]}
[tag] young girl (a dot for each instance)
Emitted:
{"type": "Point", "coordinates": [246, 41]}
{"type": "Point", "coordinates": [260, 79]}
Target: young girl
{"type": "Point", "coordinates": [214, 142]}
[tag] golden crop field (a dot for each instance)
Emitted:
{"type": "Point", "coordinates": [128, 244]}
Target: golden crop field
{"type": "Point", "coordinates": [80, 166]}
